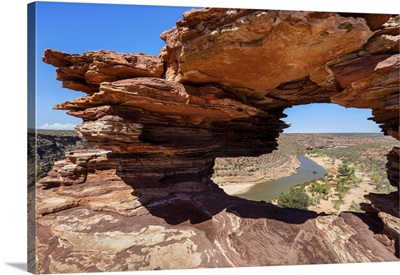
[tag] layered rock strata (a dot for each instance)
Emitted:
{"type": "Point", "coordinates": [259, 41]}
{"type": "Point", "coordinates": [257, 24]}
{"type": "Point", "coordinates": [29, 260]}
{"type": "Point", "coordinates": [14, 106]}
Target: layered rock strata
{"type": "Point", "coordinates": [218, 89]}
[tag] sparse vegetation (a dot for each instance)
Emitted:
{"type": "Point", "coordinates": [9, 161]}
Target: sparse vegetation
{"type": "Point", "coordinates": [368, 159]}
{"type": "Point", "coordinates": [356, 164]}
{"type": "Point", "coordinates": [337, 204]}
{"type": "Point", "coordinates": [345, 171]}
{"type": "Point", "coordinates": [355, 207]}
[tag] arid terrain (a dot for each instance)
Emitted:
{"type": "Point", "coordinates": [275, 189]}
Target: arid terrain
{"type": "Point", "coordinates": [237, 175]}
{"type": "Point", "coordinates": [353, 172]}
{"type": "Point", "coordinates": [167, 125]}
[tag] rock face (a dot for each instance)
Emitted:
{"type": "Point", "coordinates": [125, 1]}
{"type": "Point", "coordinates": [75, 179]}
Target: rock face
{"type": "Point", "coordinates": [46, 147]}
{"type": "Point", "coordinates": [85, 72]}
{"type": "Point", "coordinates": [146, 200]}
{"type": "Point", "coordinates": [208, 52]}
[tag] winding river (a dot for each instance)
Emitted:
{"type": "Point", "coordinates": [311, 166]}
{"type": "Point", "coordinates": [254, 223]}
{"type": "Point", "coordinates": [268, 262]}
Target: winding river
{"type": "Point", "coordinates": [308, 170]}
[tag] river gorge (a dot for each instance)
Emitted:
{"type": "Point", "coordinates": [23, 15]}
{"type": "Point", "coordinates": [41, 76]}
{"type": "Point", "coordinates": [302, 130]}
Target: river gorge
{"type": "Point", "coordinates": [308, 170]}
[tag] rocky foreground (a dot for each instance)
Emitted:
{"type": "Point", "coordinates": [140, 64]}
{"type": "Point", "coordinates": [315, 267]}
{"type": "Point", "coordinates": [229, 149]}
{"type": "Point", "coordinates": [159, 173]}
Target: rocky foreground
{"type": "Point", "coordinates": [218, 89]}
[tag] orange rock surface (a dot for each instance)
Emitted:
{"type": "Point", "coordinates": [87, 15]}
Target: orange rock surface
{"type": "Point", "coordinates": [146, 200]}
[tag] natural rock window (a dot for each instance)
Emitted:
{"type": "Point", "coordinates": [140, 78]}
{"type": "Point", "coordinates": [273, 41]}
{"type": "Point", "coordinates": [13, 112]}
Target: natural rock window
{"type": "Point", "coordinates": [332, 139]}
{"type": "Point", "coordinates": [219, 89]}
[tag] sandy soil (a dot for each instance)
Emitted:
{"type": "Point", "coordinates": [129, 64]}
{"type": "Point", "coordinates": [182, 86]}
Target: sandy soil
{"type": "Point", "coordinates": [235, 189]}
{"type": "Point", "coordinates": [356, 194]}
{"type": "Point", "coordinates": [331, 166]}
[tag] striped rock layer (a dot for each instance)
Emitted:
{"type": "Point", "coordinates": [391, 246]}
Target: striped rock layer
{"type": "Point", "coordinates": [219, 88]}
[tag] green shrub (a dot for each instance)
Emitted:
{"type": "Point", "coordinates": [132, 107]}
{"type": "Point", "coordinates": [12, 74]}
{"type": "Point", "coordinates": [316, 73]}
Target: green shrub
{"type": "Point", "coordinates": [341, 189]}
{"type": "Point", "coordinates": [346, 171]}
{"type": "Point", "coordinates": [322, 189]}
{"type": "Point", "coordinates": [384, 188]}
{"type": "Point", "coordinates": [297, 198]}
{"type": "Point", "coordinates": [355, 207]}
{"type": "Point", "coordinates": [337, 204]}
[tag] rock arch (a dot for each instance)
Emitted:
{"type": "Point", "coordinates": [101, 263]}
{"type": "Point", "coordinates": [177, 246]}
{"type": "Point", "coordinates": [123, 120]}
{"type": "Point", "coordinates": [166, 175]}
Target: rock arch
{"type": "Point", "coordinates": [219, 88]}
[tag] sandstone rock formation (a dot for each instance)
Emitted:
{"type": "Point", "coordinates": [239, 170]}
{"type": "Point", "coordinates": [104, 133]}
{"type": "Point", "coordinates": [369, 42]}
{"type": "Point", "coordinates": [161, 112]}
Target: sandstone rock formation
{"type": "Point", "coordinates": [147, 202]}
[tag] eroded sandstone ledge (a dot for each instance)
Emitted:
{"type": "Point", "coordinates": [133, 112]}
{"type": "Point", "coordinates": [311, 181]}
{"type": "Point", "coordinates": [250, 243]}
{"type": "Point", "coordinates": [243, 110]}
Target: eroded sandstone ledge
{"type": "Point", "coordinates": [218, 89]}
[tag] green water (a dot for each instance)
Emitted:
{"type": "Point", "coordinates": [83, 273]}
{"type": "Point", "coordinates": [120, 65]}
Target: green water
{"type": "Point", "coordinates": [272, 189]}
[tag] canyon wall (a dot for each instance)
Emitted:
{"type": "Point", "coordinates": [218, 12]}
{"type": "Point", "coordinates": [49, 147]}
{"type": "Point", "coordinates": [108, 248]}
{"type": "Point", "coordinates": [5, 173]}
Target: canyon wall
{"type": "Point", "coordinates": [218, 89]}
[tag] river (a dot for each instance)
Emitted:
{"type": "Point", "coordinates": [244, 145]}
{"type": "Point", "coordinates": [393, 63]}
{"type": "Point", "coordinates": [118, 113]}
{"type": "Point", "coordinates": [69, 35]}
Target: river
{"type": "Point", "coordinates": [308, 170]}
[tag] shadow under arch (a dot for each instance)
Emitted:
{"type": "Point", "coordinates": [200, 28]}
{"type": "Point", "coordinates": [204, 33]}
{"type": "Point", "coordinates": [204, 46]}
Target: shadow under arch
{"type": "Point", "coordinates": [198, 208]}
{"type": "Point", "coordinates": [209, 210]}
{"type": "Point", "coordinates": [195, 198]}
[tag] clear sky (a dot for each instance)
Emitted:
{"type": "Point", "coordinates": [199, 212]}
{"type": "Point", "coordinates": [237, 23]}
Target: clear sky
{"type": "Point", "coordinates": [77, 28]}
{"type": "Point", "coordinates": [329, 118]}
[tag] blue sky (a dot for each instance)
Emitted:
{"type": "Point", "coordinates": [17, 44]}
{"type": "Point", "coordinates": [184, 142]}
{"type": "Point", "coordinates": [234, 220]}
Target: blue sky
{"type": "Point", "coordinates": [329, 118]}
{"type": "Point", "coordinates": [77, 28]}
